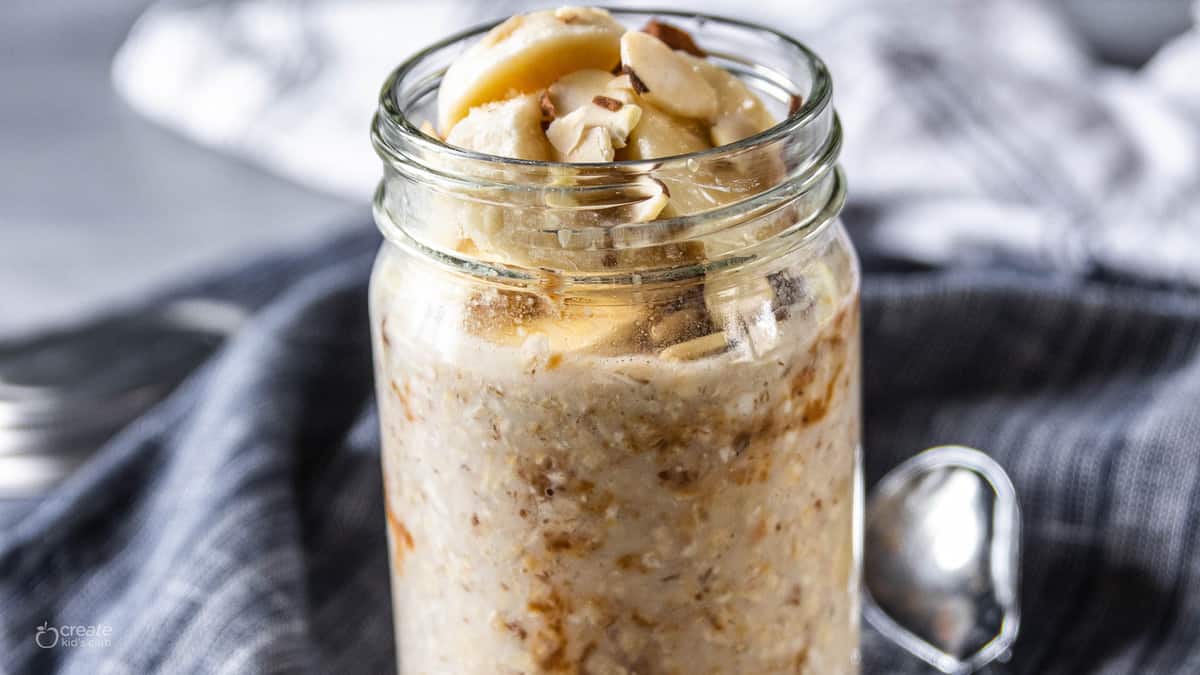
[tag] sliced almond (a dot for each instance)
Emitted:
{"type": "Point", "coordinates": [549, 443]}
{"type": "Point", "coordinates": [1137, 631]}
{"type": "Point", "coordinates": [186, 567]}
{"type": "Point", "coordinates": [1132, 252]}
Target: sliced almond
{"type": "Point", "coordinates": [594, 145]}
{"type": "Point", "coordinates": [607, 102]}
{"type": "Point", "coordinates": [595, 330]}
{"type": "Point", "coordinates": [635, 82]}
{"type": "Point", "coordinates": [674, 37]}
{"type": "Point", "coordinates": [621, 83]}
{"type": "Point", "coordinates": [577, 89]}
{"type": "Point", "coordinates": [795, 105]}
{"type": "Point", "coordinates": [679, 326]}
{"type": "Point", "coordinates": [821, 284]}
{"type": "Point", "coordinates": [568, 132]}
{"type": "Point", "coordinates": [549, 110]}
{"type": "Point", "coordinates": [670, 81]}
{"type": "Point", "coordinates": [698, 348]}
{"type": "Point", "coordinates": [649, 208]}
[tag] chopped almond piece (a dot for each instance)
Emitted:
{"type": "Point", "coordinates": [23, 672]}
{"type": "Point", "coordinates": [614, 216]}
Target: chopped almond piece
{"type": "Point", "coordinates": [568, 132]}
{"type": "Point", "coordinates": [634, 81]}
{"type": "Point", "coordinates": [675, 38]}
{"type": "Point", "coordinates": [697, 348]}
{"type": "Point", "coordinates": [649, 208]}
{"type": "Point", "coordinates": [610, 104]}
{"type": "Point", "coordinates": [577, 89]}
{"type": "Point", "coordinates": [549, 112]}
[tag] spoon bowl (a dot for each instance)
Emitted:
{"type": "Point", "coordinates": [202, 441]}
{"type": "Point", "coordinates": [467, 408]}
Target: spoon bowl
{"type": "Point", "coordinates": [942, 551]}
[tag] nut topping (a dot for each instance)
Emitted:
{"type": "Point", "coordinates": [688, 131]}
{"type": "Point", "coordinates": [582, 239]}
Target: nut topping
{"type": "Point", "coordinates": [574, 140]}
{"type": "Point", "coordinates": [670, 81]}
{"type": "Point", "coordinates": [698, 348]}
{"type": "Point", "coordinates": [675, 38]}
{"type": "Point", "coordinates": [649, 208]}
{"type": "Point", "coordinates": [576, 90]}
{"type": "Point", "coordinates": [610, 104]}
{"type": "Point", "coordinates": [635, 82]}
{"type": "Point", "coordinates": [549, 112]}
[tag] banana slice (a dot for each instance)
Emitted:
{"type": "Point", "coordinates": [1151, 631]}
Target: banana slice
{"type": "Point", "coordinates": [604, 330]}
{"type": "Point", "coordinates": [740, 113]}
{"type": "Point", "coordinates": [511, 128]}
{"type": "Point", "coordinates": [822, 285]}
{"type": "Point", "coordinates": [526, 53]}
{"type": "Point", "coordinates": [663, 77]}
{"type": "Point", "coordinates": [659, 134]}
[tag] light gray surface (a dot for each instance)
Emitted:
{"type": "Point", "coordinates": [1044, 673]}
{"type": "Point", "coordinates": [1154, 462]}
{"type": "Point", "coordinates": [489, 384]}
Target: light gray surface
{"type": "Point", "coordinates": [97, 204]}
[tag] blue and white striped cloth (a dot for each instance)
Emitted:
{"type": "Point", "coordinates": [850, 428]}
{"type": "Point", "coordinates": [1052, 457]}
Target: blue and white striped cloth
{"type": "Point", "coordinates": [1030, 229]}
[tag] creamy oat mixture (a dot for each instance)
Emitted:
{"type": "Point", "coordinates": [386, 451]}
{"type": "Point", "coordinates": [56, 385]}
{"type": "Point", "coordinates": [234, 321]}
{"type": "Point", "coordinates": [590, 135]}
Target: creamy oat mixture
{"type": "Point", "coordinates": [621, 488]}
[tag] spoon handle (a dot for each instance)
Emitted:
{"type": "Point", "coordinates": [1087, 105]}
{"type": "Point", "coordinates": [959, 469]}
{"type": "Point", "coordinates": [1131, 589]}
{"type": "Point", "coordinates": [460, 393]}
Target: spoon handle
{"type": "Point", "coordinates": [994, 668]}
{"type": "Point", "coordinates": [63, 393]}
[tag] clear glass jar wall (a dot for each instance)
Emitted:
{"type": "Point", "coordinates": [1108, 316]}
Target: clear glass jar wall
{"type": "Point", "coordinates": [610, 446]}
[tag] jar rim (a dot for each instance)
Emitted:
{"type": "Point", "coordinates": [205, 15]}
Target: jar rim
{"type": "Point", "coordinates": [780, 244]}
{"type": "Point", "coordinates": [811, 105]}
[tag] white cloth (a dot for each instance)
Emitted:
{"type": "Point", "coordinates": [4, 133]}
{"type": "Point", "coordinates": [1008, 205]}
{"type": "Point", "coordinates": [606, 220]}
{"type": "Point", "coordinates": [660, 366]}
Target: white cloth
{"type": "Point", "coordinates": [976, 131]}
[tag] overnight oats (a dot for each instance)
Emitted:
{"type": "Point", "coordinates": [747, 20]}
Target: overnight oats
{"type": "Point", "coordinates": [615, 326]}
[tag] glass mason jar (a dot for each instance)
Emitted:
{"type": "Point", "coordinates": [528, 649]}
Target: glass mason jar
{"type": "Point", "coordinates": [613, 446]}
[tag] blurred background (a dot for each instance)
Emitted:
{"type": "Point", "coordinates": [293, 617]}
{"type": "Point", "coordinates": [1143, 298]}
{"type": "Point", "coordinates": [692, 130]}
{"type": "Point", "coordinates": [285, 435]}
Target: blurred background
{"type": "Point", "coordinates": [227, 129]}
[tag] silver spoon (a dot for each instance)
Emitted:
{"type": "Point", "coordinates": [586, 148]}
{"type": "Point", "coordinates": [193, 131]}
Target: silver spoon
{"type": "Point", "coordinates": [64, 393]}
{"type": "Point", "coordinates": [942, 556]}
